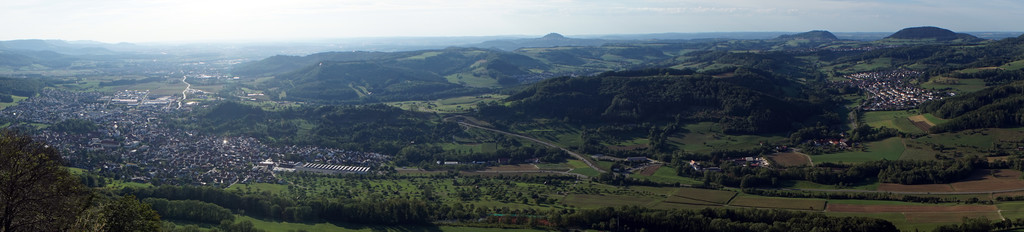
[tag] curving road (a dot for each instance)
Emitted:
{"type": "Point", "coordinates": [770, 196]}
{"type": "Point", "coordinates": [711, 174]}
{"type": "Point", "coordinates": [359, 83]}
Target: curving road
{"type": "Point", "coordinates": [574, 154]}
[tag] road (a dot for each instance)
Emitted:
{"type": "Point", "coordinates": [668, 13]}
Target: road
{"type": "Point", "coordinates": [574, 154]}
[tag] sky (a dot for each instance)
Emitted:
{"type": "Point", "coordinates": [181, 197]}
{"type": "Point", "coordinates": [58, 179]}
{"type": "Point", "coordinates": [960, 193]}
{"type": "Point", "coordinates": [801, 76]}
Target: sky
{"type": "Point", "coordinates": [282, 20]}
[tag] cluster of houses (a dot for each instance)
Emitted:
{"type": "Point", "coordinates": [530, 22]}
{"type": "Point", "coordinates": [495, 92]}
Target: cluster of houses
{"type": "Point", "coordinates": [745, 161]}
{"type": "Point", "coordinates": [890, 90]}
{"type": "Point", "coordinates": [840, 143]}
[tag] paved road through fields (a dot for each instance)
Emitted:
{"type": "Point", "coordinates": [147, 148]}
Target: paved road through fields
{"type": "Point", "coordinates": [574, 154]}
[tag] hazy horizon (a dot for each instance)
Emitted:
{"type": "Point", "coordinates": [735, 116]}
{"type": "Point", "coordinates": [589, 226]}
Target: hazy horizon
{"type": "Point", "coordinates": [114, 21]}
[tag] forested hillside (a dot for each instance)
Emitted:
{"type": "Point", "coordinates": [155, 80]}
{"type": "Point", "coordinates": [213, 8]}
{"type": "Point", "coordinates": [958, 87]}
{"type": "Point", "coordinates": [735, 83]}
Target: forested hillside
{"type": "Point", "coordinates": [371, 127]}
{"type": "Point", "coordinates": [282, 64]}
{"type": "Point", "coordinates": [999, 106]}
{"type": "Point", "coordinates": [749, 102]}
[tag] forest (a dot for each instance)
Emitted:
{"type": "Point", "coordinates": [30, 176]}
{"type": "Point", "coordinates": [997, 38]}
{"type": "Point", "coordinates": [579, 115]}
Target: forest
{"type": "Point", "coordinates": [998, 106]}
{"type": "Point", "coordinates": [750, 102]}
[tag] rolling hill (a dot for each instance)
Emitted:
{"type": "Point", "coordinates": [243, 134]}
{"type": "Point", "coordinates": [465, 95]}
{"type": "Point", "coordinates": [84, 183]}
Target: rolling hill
{"type": "Point", "coordinates": [810, 35]}
{"type": "Point", "coordinates": [931, 33]}
{"type": "Point", "coordinates": [549, 40]}
{"type": "Point", "coordinates": [752, 101]}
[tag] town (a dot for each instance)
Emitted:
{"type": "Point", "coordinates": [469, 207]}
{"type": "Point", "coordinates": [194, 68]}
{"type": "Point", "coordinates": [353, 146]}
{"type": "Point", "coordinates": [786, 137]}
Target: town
{"type": "Point", "coordinates": [133, 142]}
{"type": "Point", "coordinates": [890, 90]}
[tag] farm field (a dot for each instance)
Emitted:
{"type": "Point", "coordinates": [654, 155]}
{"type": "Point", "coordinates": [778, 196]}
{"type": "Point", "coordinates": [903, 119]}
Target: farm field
{"type": "Point", "coordinates": [591, 201]}
{"type": "Point", "coordinates": [892, 119]}
{"type": "Point", "coordinates": [779, 203]}
{"type": "Point", "coordinates": [960, 86]}
{"type": "Point", "coordinates": [889, 149]}
{"type": "Point", "coordinates": [981, 181]}
{"type": "Point", "coordinates": [790, 159]}
{"type": "Point", "coordinates": [921, 122]}
{"type": "Point", "coordinates": [517, 167]}
{"type": "Point", "coordinates": [990, 180]}
{"type": "Point", "coordinates": [638, 143]}
{"type": "Point", "coordinates": [969, 142]}
{"type": "Point", "coordinates": [553, 167]}
{"type": "Point", "coordinates": [1012, 210]}
{"type": "Point", "coordinates": [911, 216]}
{"type": "Point", "coordinates": [586, 171]}
{"type": "Point", "coordinates": [858, 208]}
{"type": "Point", "coordinates": [560, 134]}
{"type": "Point", "coordinates": [448, 105]}
{"type": "Point", "coordinates": [917, 150]}
{"type": "Point", "coordinates": [934, 119]}
{"type": "Point", "coordinates": [667, 175]}
{"type": "Point", "coordinates": [923, 188]}
{"type": "Point", "coordinates": [706, 196]}
{"type": "Point", "coordinates": [870, 184]}
{"type": "Point", "coordinates": [1008, 194]}
{"type": "Point", "coordinates": [948, 217]}
{"type": "Point", "coordinates": [649, 170]}
{"type": "Point", "coordinates": [471, 147]}
{"type": "Point", "coordinates": [707, 136]}
{"type": "Point", "coordinates": [966, 139]}
{"type": "Point", "coordinates": [864, 66]}
{"type": "Point", "coordinates": [873, 202]}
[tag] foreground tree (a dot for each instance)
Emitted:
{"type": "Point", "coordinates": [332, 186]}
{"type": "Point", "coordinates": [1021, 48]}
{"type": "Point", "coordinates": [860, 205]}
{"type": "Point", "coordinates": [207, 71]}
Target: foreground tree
{"type": "Point", "coordinates": [36, 192]}
{"type": "Point", "coordinates": [128, 214]}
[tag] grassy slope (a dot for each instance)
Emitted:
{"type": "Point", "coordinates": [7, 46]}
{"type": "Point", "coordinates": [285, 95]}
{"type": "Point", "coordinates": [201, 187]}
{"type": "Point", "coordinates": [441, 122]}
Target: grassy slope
{"type": "Point", "coordinates": [892, 119]}
{"type": "Point", "coordinates": [889, 149]}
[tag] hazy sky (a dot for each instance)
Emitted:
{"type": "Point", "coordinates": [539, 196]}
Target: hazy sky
{"type": "Point", "coordinates": [259, 20]}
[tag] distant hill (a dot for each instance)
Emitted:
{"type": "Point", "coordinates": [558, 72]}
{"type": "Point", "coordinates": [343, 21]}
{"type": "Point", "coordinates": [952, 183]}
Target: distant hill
{"type": "Point", "coordinates": [59, 46]}
{"type": "Point", "coordinates": [940, 34]}
{"type": "Point", "coordinates": [26, 58]}
{"type": "Point", "coordinates": [355, 81]}
{"type": "Point", "coordinates": [549, 40]}
{"type": "Point", "coordinates": [282, 64]}
{"type": "Point", "coordinates": [467, 67]}
{"type": "Point", "coordinates": [373, 76]}
{"type": "Point", "coordinates": [810, 35]}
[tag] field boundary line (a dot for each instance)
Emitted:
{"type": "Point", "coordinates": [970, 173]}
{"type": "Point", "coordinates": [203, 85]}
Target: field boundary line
{"type": "Point", "coordinates": [733, 197]}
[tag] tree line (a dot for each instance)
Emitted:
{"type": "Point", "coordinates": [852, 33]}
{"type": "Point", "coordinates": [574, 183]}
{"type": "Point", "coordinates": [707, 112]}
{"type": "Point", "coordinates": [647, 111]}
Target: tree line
{"type": "Point", "coordinates": [885, 171]}
{"type": "Point", "coordinates": [633, 218]}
